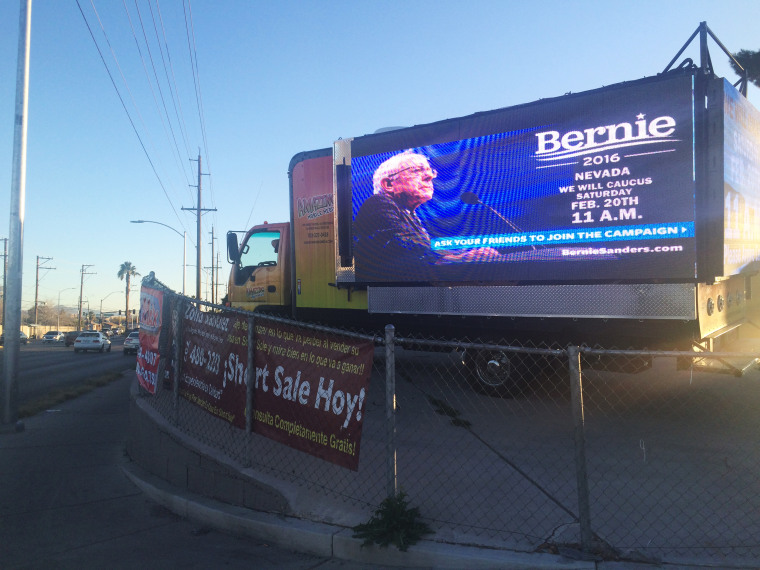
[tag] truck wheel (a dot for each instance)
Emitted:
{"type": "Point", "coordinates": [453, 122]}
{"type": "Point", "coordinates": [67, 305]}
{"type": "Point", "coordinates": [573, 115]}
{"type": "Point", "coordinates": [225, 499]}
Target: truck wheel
{"type": "Point", "coordinates": [495, 372]}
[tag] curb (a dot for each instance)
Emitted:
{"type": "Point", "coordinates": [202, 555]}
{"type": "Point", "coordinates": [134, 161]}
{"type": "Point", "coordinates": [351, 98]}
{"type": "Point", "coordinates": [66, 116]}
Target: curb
{"type": "Point", "coordinates": [330, 541]}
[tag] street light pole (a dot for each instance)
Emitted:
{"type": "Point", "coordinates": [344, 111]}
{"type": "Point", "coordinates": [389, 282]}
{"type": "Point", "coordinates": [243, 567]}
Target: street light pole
{"type": "Point", "coordinates": [101, 307]}
{"type": "Point", "coordinates": [12, 294]}
{"type": "Point", "coordinates": [59, 306]}
{"type": "Point", "coordinates": [184, 245]}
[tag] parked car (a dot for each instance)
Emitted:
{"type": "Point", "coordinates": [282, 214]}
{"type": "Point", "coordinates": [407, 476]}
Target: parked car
{"type": "Point", "coordinates": [92, 340]}
{"type": "Point", "coordinates": [132, 343]}
{"type": "Point", "coordinates": [22, 338]}
{"type": "Point", "coordinates": [70, 337]}
{"type": "Point", "coordinates": [53, 336]}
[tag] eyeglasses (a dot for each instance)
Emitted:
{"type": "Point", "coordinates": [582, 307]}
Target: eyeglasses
{"type": "Point", "coordinates": [422, 170]}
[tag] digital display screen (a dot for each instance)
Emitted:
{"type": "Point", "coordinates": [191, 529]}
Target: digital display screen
{"type": "Point", "coordinates": [741, 185]}
{"type": "Point", "coordinates": [594, 186]}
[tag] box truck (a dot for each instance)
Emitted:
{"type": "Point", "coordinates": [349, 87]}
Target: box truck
{"type": "Point", "coordinates": [626, 216]}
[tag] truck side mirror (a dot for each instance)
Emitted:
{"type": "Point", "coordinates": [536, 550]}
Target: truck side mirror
{"type": "Point", "coordinates": [232, 248]}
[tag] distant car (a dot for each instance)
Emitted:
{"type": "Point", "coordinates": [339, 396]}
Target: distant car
{"type": "Point", "coordinates": [70, 337]}
{"type": "Point", "coordinates": [132, 343]}
{"type": "Point", "coordinates": [92, 340]}
{"type": "Point", "coordinates": [53, 336]}
{"type": "Point", "coordinates": [23, 339]}
{"type": "Point", "coordinates": [107, 332]}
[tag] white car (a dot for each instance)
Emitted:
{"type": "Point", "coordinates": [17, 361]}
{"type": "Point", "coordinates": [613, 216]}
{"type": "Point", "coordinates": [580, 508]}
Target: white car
{"type": "Point", "coordinates": [132, 343]}
{"type": "Point", "coordinates": [53, 336]}
{"type": "Point", "coordinates": [23, 339]}
{"type": "Point", "coordinates": [92, 340]}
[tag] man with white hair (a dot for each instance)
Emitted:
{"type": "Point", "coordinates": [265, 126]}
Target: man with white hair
{"type": "Point", "coordinates": [390, 242]}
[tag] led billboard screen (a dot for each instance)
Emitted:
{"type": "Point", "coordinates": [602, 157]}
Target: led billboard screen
{"type": "Point", "coordinates": [594, 186]}
{"type": "Point", "coordinates": [741, 184]}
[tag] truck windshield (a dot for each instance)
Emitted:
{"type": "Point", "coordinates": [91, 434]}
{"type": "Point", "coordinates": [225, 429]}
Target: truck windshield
{"type": "Point", "coordinates": [260, 249]}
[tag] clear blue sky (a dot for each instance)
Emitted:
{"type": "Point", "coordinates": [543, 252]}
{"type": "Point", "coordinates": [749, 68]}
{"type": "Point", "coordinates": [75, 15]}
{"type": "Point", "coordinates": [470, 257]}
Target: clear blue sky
{"type": "Point", "coordinates": [275, 79]}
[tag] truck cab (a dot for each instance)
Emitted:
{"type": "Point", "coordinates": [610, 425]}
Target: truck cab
{"type": "Point", "coordinates": [260, 278]}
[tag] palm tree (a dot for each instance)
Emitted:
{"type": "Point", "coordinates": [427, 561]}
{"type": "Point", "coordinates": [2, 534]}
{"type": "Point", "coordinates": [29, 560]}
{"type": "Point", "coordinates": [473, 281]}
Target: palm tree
{"type": "Point", "coordinates": [750, 61]}
{"type": "Point", "coordinates": [127, 270]}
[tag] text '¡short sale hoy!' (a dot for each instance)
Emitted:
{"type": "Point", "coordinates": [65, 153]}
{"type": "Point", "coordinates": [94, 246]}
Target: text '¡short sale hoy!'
{"type": "Point", "coordinates": [309, 387]}
{"type": "Point", "coordinates": [310, 390]}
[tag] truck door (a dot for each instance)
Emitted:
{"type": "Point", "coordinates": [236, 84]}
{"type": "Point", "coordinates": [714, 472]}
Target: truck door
{"type": "Point", "coordinates": [259, 276]}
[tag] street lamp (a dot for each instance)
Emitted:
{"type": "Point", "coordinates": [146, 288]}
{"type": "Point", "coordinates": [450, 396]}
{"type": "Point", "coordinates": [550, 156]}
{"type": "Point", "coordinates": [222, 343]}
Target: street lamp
{"type": "Point", "coordinates": [132, 316]}
{"type": "Point", "coordinates": [101, 306]}
{"type": "Point", "coordinates": [59, 305]}
{"type": "Point", "coordinates": [184, 245]}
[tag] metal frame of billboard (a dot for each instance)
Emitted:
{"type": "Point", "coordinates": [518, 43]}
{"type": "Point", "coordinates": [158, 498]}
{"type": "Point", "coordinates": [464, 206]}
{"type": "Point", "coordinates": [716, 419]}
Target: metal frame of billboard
{"type": "Point", "coordinates": [705, 60]}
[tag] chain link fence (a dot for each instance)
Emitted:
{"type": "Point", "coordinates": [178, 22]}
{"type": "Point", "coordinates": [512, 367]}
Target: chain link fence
{"type": "Point", "coordinates": [552, 449]}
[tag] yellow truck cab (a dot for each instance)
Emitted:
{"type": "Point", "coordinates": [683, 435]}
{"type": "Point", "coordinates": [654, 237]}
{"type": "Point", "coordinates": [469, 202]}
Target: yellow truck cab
{"type": "Point", "coordinates": [260, 277]}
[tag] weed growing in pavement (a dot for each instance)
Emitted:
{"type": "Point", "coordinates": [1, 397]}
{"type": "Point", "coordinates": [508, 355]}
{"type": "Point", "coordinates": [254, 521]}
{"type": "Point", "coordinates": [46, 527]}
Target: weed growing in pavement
{"type": "Point", "coordinates": [393, 523]}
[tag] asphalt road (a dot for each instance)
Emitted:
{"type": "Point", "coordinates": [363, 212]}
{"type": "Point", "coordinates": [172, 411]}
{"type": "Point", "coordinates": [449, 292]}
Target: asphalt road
{"type": "Point", "coordinates": [48, 366]}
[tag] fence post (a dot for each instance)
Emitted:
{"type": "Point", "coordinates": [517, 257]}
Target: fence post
{"type": "Point", "coordinates": [390, 411]}
{"type": "Point", "coordinates": [249, 378]}
{"type": "Point", "coordinates": [178, 318]}
{"type": "Point", "coordinates": [576, 391]}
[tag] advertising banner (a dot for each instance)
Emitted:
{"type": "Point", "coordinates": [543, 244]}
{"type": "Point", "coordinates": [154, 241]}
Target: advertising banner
{"type": "Point", "coordinates": [151, 310]}
{"type": "Point", "coordinates": [310, 390]}
{"type": "Point", "coordinates": [595, 186]}
{"type": "Point", "coordinates": [214, 359]}
{"type": "Point", "coordinates": [314, 234]}
{"type": "Point", "coordinates": [309, 387]}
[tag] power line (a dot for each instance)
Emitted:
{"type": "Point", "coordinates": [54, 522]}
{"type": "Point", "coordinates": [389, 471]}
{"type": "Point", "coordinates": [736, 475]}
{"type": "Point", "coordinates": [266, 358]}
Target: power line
{"type": "Point", "coordinates": [129, 117]}
{"type": "Point", "coordinates": [190, 31]}
{"type": "Point", "coordinates": [179, 162]}
{"type": "Point", "coordinates": [171, 82]}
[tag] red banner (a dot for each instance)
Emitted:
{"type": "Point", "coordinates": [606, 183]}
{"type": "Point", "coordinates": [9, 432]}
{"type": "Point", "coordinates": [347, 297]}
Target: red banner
{"type": "Point", "coordinates": [215, 355]}
{"type": "Point", "coordinates": [309, 387]}
{"type": "Point", "coordinates": [310, 390]}
{"type": "Point", "coordinates": [151, 307]}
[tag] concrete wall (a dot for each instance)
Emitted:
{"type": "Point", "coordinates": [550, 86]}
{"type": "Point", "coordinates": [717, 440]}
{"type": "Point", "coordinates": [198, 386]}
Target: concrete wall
{"type": "Point", "coordinates": [165, 452]}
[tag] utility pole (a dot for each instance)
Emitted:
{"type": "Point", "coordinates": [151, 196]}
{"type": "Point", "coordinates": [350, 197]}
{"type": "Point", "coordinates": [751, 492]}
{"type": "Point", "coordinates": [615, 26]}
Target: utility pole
{"type": "Point", "coordinates": [213, 273]}
{"type": "Point", "coordinates": [214, 267]}
{"type": "Point", "coordinates": [12, 293]}
{"type": "Point", "coordinates": [198, 211]}
{"type": "Point", "coordinates": [81, 288]}
{"type": "Point", "coordinates": [37, 288]}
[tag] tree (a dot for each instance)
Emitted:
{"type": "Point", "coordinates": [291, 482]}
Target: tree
{"type": "Point", "coordinates": [46, 314]}
{"type": "Point", "coordinates": [749, 60]}
{"type": "Point", "coordinates": [127, 270]}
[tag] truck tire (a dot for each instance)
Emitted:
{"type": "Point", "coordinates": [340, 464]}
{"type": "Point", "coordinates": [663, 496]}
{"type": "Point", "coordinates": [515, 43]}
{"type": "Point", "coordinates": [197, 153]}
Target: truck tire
{"type": "Point", "coordinates": [495, 372]}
